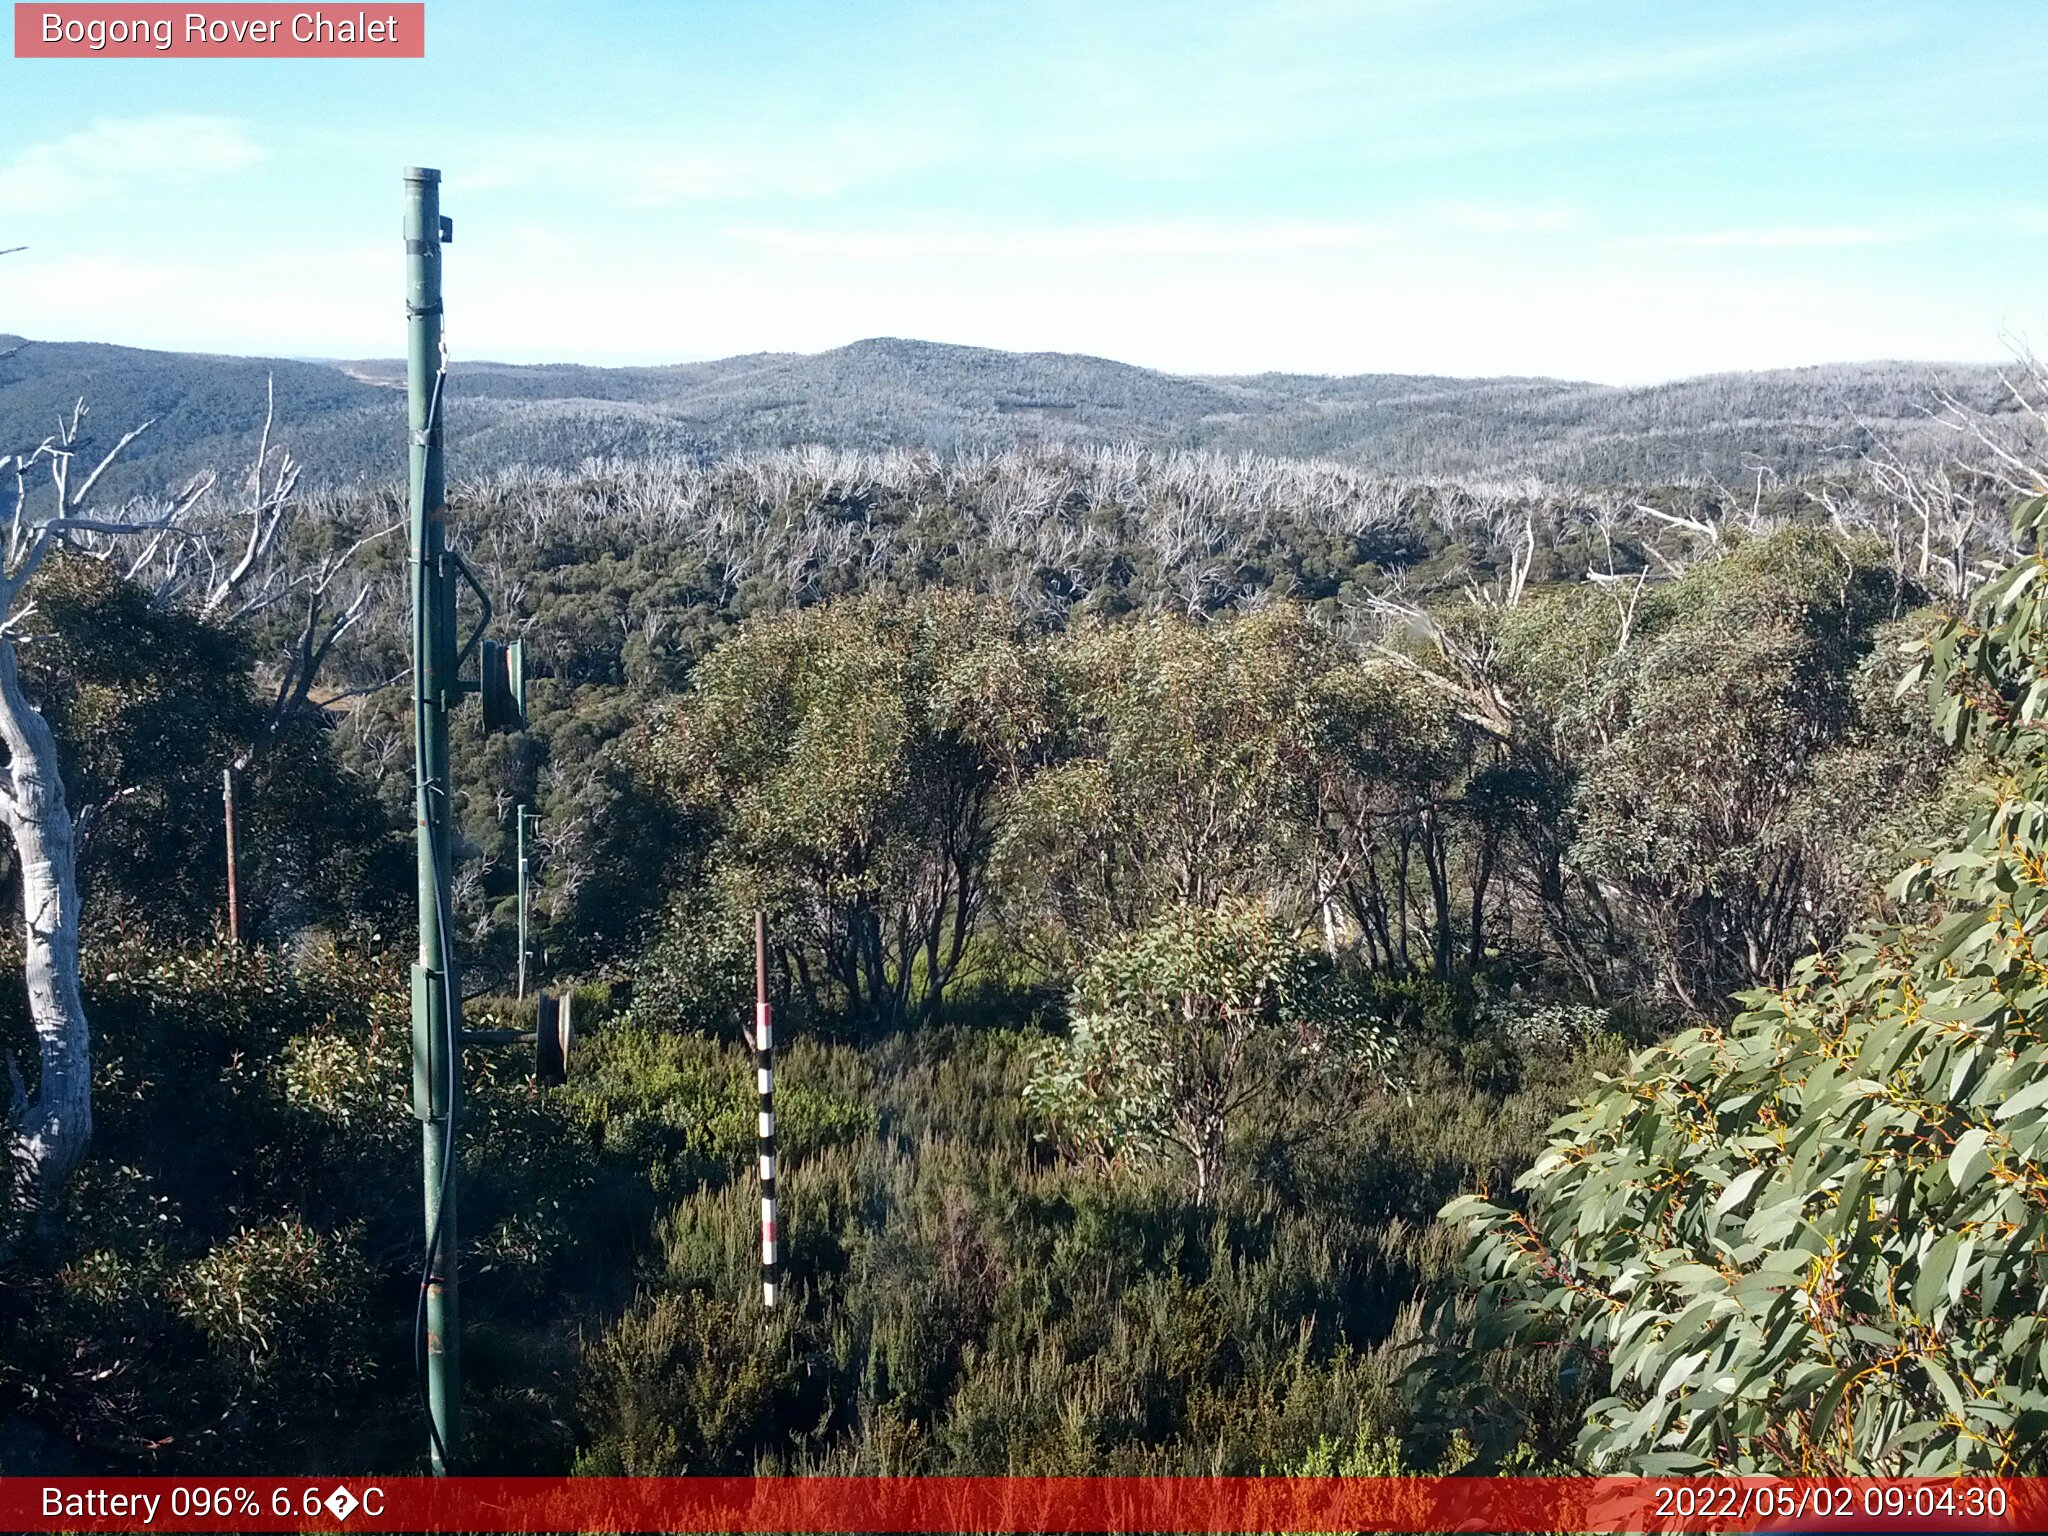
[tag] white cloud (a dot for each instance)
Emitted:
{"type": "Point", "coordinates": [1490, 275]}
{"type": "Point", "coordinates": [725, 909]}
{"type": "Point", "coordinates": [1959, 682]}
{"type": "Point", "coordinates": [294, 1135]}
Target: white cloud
{"type": "Point", "coordinates": [1168, 238]}
{"type": "Point", "coordinates": [327, 305]}
{"type": "Point", "coordinates": [1762, 239]}
{"type": "Point", "coordinates": [1496, 219]}
{"type": "Point", "coordinates": [819, 160]}
{"type": "Point", "coordinates": [115, 155]}
{"type": "Point", "coordinates": [1085, 241]}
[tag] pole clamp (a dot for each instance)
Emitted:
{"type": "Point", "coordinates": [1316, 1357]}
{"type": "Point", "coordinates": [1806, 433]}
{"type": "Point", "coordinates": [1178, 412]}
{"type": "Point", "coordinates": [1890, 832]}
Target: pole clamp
{"type": "Point", "coordinates": [418, 311]}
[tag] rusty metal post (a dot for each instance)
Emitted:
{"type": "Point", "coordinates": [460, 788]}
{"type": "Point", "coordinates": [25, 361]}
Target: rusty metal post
{"type": "Point", "coordinates": [227, 798]}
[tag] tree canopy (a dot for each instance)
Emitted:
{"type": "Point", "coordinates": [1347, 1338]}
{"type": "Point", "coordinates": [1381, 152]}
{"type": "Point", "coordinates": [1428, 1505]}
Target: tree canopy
{"type": "Point", "coordinates": [1816, 1238]}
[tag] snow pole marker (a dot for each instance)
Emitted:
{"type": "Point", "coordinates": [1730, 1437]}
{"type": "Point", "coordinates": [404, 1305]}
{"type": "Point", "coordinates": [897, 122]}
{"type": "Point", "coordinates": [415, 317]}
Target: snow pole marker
{"type": "Point", "coordinates": [764, 1071]}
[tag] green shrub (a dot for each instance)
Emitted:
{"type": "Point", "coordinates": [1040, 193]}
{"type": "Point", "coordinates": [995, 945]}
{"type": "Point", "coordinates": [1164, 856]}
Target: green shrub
{"type": "Point", "coordinates": [1184, 1032]}
{"type": "Point", "coordinates": [1817, 1240]}
{"type": "Point", "coordinates": [282, 1295]}
{"type": "Point", "coordinates": [237, 1255]}
{"type": "Point", "coordinates": [683, 1107]}
{"type": "Point", "coordinates": [958, 1302]}
{"type": "Point", "coordinates": [690, 1383]}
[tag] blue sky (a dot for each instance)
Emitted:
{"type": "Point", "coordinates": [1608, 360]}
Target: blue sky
{"type": "Point", "coordinates": [1622, 192]}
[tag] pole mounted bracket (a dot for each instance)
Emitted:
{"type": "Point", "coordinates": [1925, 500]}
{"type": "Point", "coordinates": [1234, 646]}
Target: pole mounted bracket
{"type": "Point", "coordinates": [501, 679]}
{"type": "Point", "coordinates": [551, 1038]}
{"type": "Point", "coordinates": [468, 574]}
{"type": "Point", "coordinates": [501, 669]}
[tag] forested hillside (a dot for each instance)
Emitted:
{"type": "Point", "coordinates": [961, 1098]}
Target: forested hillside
{"type": "Point", "coordinates": [885, 393]}
{"type": "Point", "coordinates": [1186, 873]}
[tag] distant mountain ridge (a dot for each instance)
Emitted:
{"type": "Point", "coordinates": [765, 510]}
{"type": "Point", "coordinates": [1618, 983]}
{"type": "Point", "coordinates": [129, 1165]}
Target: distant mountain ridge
{"type": "Point", "coordinates": [344, 421]}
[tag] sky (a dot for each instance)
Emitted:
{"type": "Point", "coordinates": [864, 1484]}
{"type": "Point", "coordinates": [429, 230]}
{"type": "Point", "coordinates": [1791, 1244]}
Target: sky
{"type": "Point", "coordinates": [1620, 192]}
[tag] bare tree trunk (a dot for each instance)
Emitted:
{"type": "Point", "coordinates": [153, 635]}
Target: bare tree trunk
{"type": "Point", "coordinates": [1436, 855]}
{"type": "Point", "coordinates": [1482, 876]}
{"type": "Point", "coordinates": [1208, 1149]}
{"type": "Point", "coordinates": [50, 1130]}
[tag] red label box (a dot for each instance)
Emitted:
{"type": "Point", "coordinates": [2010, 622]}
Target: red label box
{"type": "Point", "coordinates": [938, 1506]}
{"type": "Point", "coordinates": [371, 30]}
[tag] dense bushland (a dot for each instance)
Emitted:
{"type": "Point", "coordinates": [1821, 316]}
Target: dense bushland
{"type": "Point", "coordinates": [1812, 1237]}
{"type": "Point", "coordinates": [234, 1266]}
{"type": "Point", "coordinates": [624, 576]}
{"type": "Point", "coordinates": [964, 1299]}
{"type": "Point", "coordinates": [1185, 876]}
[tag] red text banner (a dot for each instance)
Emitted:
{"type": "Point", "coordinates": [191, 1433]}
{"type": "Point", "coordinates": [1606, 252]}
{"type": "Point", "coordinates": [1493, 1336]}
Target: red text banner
{"type": "Point", "coordinates": [1019, 1504]}
{"type": "Point", "coordinates": [235, 31]}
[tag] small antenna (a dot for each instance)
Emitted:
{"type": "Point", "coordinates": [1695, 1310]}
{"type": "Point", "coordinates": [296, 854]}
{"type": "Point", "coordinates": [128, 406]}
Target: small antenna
{"type": "Point", "coordinates": [764, 1066]}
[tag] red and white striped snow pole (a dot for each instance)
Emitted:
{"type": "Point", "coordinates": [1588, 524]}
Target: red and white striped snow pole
{"type": "Point", "coordinates": [764, 1066]}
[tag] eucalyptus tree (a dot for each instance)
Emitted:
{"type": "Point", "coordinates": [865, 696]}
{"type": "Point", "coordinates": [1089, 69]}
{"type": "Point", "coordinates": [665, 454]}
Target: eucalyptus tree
{"type": "Point", "coordinates": [1182, 769]}
{"type": "Point", "coordinates": [851, 757]}
{"type": "Point", "coordinates": [1816, 1240]}
{"type": "Point", "coordinates": [1727, 754]}
{"type": "Point", "coordinates": [1400, 823]}
{"type": "Point", "coordinates": [1690, 776]}
{"type": "Point", "coordinates": [1249, 757]}
{"type": "Point", "coordinates": [1186, 1031]}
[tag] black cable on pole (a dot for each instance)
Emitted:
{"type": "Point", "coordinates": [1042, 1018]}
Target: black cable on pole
{"type": "Point", "coordinates": [448, 1008]}
{"type": "Point", "coordinates": [451, 1044]}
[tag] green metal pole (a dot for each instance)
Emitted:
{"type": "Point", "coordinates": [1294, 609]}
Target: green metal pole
{"type": "Point", "coordinates": [522, 901]}
{"type": "Point", "coordinates": [436, 994]}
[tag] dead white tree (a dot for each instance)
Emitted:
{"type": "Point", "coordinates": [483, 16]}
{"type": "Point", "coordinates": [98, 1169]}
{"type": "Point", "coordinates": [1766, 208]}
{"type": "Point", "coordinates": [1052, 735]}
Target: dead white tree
{"type": "Point", "coordinates": [50, 1127]}
{"type": "Point", "coordinates": [228, 563]}
{"type": "Point", "coordinates": [178, 549]}
{"type": "Point", "coordinates": [1470, 674]}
